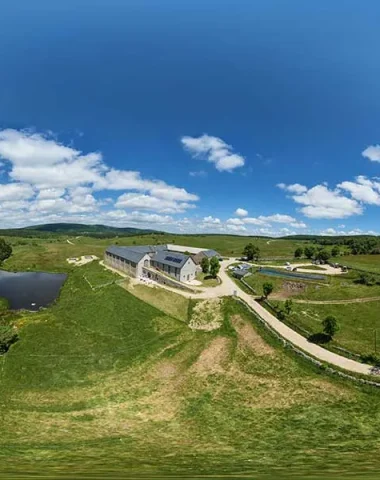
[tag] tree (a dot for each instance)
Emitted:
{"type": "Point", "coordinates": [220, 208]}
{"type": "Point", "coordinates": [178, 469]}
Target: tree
{"type": "Point", "coordinates": [205, 264]}
{"type": "Point", "coordinates": [214, 267]}
{"type": "Point", "coordinates": [251, 251]}
{"type": "Point", "coordinates": [288, 306]}
{"type": "Point", "coordinates": [335, 251]}
{"type": "Point", "coordinates": [5, 250]}
{"type": "Point", "coordinates": [298, 253]}
{"type": "Point", "coordinates": [323, 255]}
{"type": "Point", "coordinates": [309, 252]}
{"type": "Point", "coordinates": [330, 326]}
{"type": "Point", "coordinates": [7, 337]}
{"type": "Point", "coordinates": [267, 289]}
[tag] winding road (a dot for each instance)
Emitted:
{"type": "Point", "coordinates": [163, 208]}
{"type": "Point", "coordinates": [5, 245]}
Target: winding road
{"type": "Point", "coordinates": [287, 333]}
{"type": "Point", "coordinates": [228, 287]}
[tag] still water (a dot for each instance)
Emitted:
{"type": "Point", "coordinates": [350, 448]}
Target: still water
{"type": "Point", "coordinates": [30, 290]}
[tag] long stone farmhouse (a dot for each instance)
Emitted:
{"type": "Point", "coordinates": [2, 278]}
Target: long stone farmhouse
{"type": "Point", "coordinates": [181, 263]}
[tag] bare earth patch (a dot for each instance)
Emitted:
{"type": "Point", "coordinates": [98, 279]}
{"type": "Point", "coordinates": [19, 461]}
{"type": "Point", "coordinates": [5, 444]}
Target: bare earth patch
{"type": "Point", "coordinates": [214, 358]}
{"type": "Point", "coordinates": [207, 315]}
{"type": "Point", "coordinates": [249, 338]}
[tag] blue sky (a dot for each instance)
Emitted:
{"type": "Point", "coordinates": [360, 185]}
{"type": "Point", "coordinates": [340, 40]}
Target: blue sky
{"type": "Point", "coordinates": [236, 116]}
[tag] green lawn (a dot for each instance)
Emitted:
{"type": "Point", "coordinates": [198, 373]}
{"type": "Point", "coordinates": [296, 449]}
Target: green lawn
{"type": "Point", "coordinates": [338, 287]}
{"type": "Point", "coordinates": [357, 323]}
{"type": "Point", "coordinates": [98, 276]}
{"type": "Point", "coordinates": [207, 280]}
{"type": "Point", "coordinates": [105, 382]}
{"type": "Point", "coordinates": [370, 263]}
{"type": "Point", "coordinates": [173, 304]}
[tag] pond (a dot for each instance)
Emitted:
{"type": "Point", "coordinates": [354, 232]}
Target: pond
{"type": "Point", "coordinates": [286, 274]}
{"type": "Point", "coordinates": [30, 290]}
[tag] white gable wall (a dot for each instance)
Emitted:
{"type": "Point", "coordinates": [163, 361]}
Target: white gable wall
{"type": "Point", "coordinates": [188, 271]}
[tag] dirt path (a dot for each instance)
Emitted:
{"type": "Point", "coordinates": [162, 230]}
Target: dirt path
{"type": "Point", "coordinates": [338, 302]}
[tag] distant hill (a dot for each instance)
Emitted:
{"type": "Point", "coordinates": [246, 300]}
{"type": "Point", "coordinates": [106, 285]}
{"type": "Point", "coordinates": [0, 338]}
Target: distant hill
{"type": "Point", "coordinates": [76, 229]}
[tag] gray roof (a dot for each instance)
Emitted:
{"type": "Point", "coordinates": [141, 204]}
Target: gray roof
{"type": "Point", "coordinates": [174, 259]}
{"type": "Point", "coordinates": [240, 273]}
{"type": "Point", "coordinates": [147, 248]}
{"type": "Point", "coordinates": [128, 253]}
{"type": "Point", "coordinates": [211, 253]}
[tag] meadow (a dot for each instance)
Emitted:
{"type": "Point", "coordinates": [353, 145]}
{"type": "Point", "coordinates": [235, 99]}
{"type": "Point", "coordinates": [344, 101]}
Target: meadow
{"type": "Point", "coordinates": [358, 323]}
{"type": "Point", "coordinates": [103, 381]}
{"type": "Point", "coordinates": [109, 381]}
{"type": "Point", "coordinates": [51, 253]}
{"type": "Point", "coordinates": [369, 263]}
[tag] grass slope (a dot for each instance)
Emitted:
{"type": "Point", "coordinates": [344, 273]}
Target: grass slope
{"type": "Point", "coordinates": [103, 381]}
{"type": "Point", "coordinates": [357, 321]}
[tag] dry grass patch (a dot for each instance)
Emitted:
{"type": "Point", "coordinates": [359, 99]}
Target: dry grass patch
{"type": "Point", "coordinates": [214, 358]}
{"type": "Point", "coordinates": [207, 315]}
{"type": "Point", "coordinates": [248, 337]}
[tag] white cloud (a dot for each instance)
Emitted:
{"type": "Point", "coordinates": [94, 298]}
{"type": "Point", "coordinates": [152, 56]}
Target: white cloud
{"type": "Point", "coordinates": [363, 190]}
{"type": "Point", "coordinates": [50, 193]}
{"type": "Point", "coordinates": [150, 202]}
{"type": "Point", "coordinates": [214, 150]}
{"type": "Point", "coordinates": [329, 231]}
{"type": "Point", "coordinates": [61, 179]}
{"type": "Point", "coordinates": [15, 191]}
{"type": "Point", "coordinates": [29, 149]}
{"type": "Point", "coordinates": [372, 153]}
{"type": "Point", "coordinates": [295, 188]}
{"type": "Point", "coordinates": [277, 218]}
{"type": "Point", "coordinates": [235, 221]}
{"type": "Point", "coordinates": [321, 202]}
{"type": "Point", "coordinates": [211, 220]}
{"type": "Point", "coordinates": [254, 221]}
{"type": "Point", "coordinates": [198, 173]}
{"type": "Point", "coordinates": [241, 212]}
{"type": "Point", "coordinates": [236, 228]}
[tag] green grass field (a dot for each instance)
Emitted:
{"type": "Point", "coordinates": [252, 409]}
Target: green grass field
{"type": "Point", "coordinates": [357, 321]}
{"type": "Point", "coordinates": [339, 287]}
{"type": "Point", "coordinates": [370, 263]}
{"type": "Point", "coordinates": [105, 381]}
{"type": "Point", "coordinates": [48, 254]}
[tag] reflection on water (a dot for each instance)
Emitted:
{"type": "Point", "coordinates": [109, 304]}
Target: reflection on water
{"type": "Point", "coordinates": [30, 290]}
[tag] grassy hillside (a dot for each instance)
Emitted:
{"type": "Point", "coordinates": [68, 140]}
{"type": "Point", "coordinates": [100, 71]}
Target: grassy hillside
{"type": "Point", "coordinates": [105, 382]}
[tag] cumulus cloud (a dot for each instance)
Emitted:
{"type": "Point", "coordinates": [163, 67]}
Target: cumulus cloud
{"type": "Point", "coordinates": [150, 202]}
{"type": "Point", "coordinates": [321, 202]}
{"type": "Point", "coordinates": [58, 179]}
{"type": "Point", "coordinates": [211, 220]}
{"type": "Point", "coordinates": [372, 153]}
{"type": "Point", "coordinates": [363, 190]}
{"type": "Point", "coordinates": [266, 221]}
{"type": "Point", "coordinates": [214, 150]}
{"type": "Point", "coordinates": [294, 188]}
{"type": "Point", "coordinates": [241, 212]}
{"type": "Point", "coordinates": [15, 191]}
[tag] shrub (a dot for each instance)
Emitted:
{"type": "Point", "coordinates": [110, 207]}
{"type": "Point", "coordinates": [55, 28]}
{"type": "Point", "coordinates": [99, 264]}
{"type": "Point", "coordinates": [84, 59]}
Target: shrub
{"type": "Point", "coordinates": [330, 326]}
{"type": "Point", "coordinates": [8, 336]}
